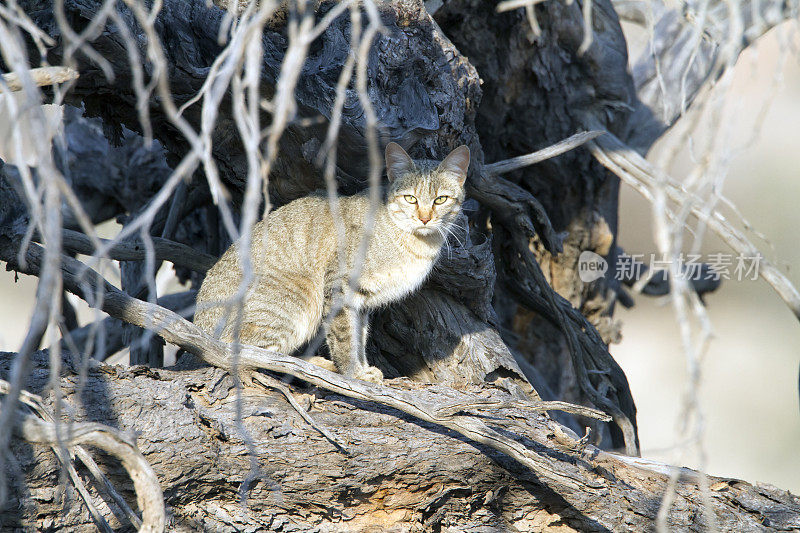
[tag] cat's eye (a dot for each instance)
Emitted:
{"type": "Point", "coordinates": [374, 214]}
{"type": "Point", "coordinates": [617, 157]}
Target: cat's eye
{"type": "Point", "coordinates": [440, 200]}
{"type": "Point", "coordinates": [410, 199]}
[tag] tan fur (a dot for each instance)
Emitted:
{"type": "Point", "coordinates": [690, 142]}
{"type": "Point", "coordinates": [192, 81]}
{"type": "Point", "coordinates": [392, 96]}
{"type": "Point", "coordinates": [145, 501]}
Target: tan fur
{"type": "Point", "coordinates": [296, 268]}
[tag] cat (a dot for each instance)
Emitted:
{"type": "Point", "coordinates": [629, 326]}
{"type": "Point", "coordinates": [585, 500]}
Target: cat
{"type": "Point", "coordinates": [296, 264]}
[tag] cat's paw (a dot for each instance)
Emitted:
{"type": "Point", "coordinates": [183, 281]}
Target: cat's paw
{"type": "Point", "coordinates": [370, 373]}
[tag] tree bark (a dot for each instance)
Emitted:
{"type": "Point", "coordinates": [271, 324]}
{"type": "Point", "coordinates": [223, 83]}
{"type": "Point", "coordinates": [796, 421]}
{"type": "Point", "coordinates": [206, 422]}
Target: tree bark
{"type": "Point", "coordinates": [397, 473]}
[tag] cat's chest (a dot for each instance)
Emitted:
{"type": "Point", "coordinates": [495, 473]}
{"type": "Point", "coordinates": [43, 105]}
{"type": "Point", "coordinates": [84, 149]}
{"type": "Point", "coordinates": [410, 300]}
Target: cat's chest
{"type": "Point", "coordinates": [392, 282]}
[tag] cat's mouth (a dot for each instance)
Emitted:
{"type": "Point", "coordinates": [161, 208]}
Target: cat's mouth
{"type": "Point", "coordinates": [425, 230]}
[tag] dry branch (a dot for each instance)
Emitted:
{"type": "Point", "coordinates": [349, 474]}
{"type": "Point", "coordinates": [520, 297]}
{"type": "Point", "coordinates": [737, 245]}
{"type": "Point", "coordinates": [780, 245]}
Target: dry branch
{"type": "Point", "coordinates": [41, 76]}
{"type": "Point", "coordinates": [148, 490]}
{"type": "Point", "coordinates": [176, 330]}
{"type": "Point", "coordinates": [509, 5]}
{"type": "Point", "coordinates": [515, 163]}
{"type": "Point", "coordinates": [86, 339]}
{"type": "Point", "coordinates": [688, 52]}
{"type": "Point", "coordinates": [45, 430]}
{"type": "Point", "coordinates": [131, 250]}
{"type": "Point", "coordinates": [640, 174]}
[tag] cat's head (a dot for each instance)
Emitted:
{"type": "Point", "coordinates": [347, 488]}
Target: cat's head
{"type": "Point", "coordinates": [424, 198]}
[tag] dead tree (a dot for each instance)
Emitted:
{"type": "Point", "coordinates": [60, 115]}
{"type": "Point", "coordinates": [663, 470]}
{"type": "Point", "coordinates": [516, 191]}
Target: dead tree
{"type": "Point", "coordinates": [297, 97]}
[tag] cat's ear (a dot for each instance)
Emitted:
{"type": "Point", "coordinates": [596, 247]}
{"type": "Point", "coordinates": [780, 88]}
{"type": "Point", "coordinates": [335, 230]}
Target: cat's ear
{"type": "Point", "coordinates": [457, 163]}
{"type": "Point", "coordinates": [398, 162]}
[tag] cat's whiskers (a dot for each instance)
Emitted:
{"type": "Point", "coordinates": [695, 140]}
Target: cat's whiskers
{"type": "Point", "coordinates": [447, 228]}
{"type": "Point", "coordinates": [445, 241]}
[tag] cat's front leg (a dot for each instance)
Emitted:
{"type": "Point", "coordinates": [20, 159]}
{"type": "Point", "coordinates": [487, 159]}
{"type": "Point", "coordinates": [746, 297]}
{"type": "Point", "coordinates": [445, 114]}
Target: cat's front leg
{"type": "Point", "coordinates": [365, 372]}
{"type": "Point", "coordinates": [346, 338]}
{"type": "Point", "coordinates": [338, 339]}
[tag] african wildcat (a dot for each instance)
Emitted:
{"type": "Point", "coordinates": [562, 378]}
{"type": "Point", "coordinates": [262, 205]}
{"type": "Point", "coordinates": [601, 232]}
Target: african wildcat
{"type": "Point", "coordinates": [297, 271]}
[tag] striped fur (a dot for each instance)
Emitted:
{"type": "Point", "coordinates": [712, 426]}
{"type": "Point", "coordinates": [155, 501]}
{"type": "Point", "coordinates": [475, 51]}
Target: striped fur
{"type": "Point", "coordinates": [295, 262]}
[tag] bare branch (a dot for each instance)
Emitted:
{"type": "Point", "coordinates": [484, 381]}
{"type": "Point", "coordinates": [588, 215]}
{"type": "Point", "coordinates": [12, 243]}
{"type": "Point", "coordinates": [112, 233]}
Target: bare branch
{"type": "Point", "coordinates": [510, 5]}
{"type": "Point", "coordinates": [35, 402]}
{"type": "Point", "coordinates": [586, 9]}
{"type": "Point", "coordinates": [175, 329]}
{"type": "Point", "coordinates": [635, 170]}
{"type": "Point", "coordinates": [530, 14]}
{"type": "Point", "coordinates": [132, 250]}
{"type": "Point", "coordinates": [41, 77]}
{"type": "Point", "coordinates": [41, 430]}
{"type": "Point", "coordinates": [269, 381]}
{"type": "Point", "coordinates": [82, 340]}
{"type": "Point", "coordinates": [86, 458]}
{"type": "Point", "coordinates": [47, 219]}
{"type": "Point", "coordinates": [145, 482]}
{"type": "Point", "coordinates": [515, 163]}
{"type": "Point", "coordinates": [688, 52]}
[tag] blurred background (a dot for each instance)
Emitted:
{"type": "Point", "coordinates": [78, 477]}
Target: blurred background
{"type": "Point", "coordinates": [749, 392]}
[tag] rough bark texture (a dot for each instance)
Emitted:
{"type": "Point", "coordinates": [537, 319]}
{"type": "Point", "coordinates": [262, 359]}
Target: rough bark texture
{"type": "Point", "coordinates": [486, 321]}
{"type": "Point", "coordinates": [400, 474]}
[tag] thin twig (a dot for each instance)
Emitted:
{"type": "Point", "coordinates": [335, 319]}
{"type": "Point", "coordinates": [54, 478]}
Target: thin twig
{"type": "Point", "coordinates": [582, 410]}
{"type": "Point", "coordinates": [588, 32]}
{"type": "Point", "coordinates": [272, 383]}
{"type": "Point", "coordinates": [510, 5]}
{"type": "Point", "coordinates": [98, 474]}
{"type": "Point", "coordinates": [633, 169]}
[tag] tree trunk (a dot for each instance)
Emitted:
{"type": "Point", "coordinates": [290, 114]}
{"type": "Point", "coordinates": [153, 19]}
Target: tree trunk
{"type": "Point", "coordinates": [397, 473]}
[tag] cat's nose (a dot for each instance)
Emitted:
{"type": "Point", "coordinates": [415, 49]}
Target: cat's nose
{"type": "Point", "coordinates": [424, 218]}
